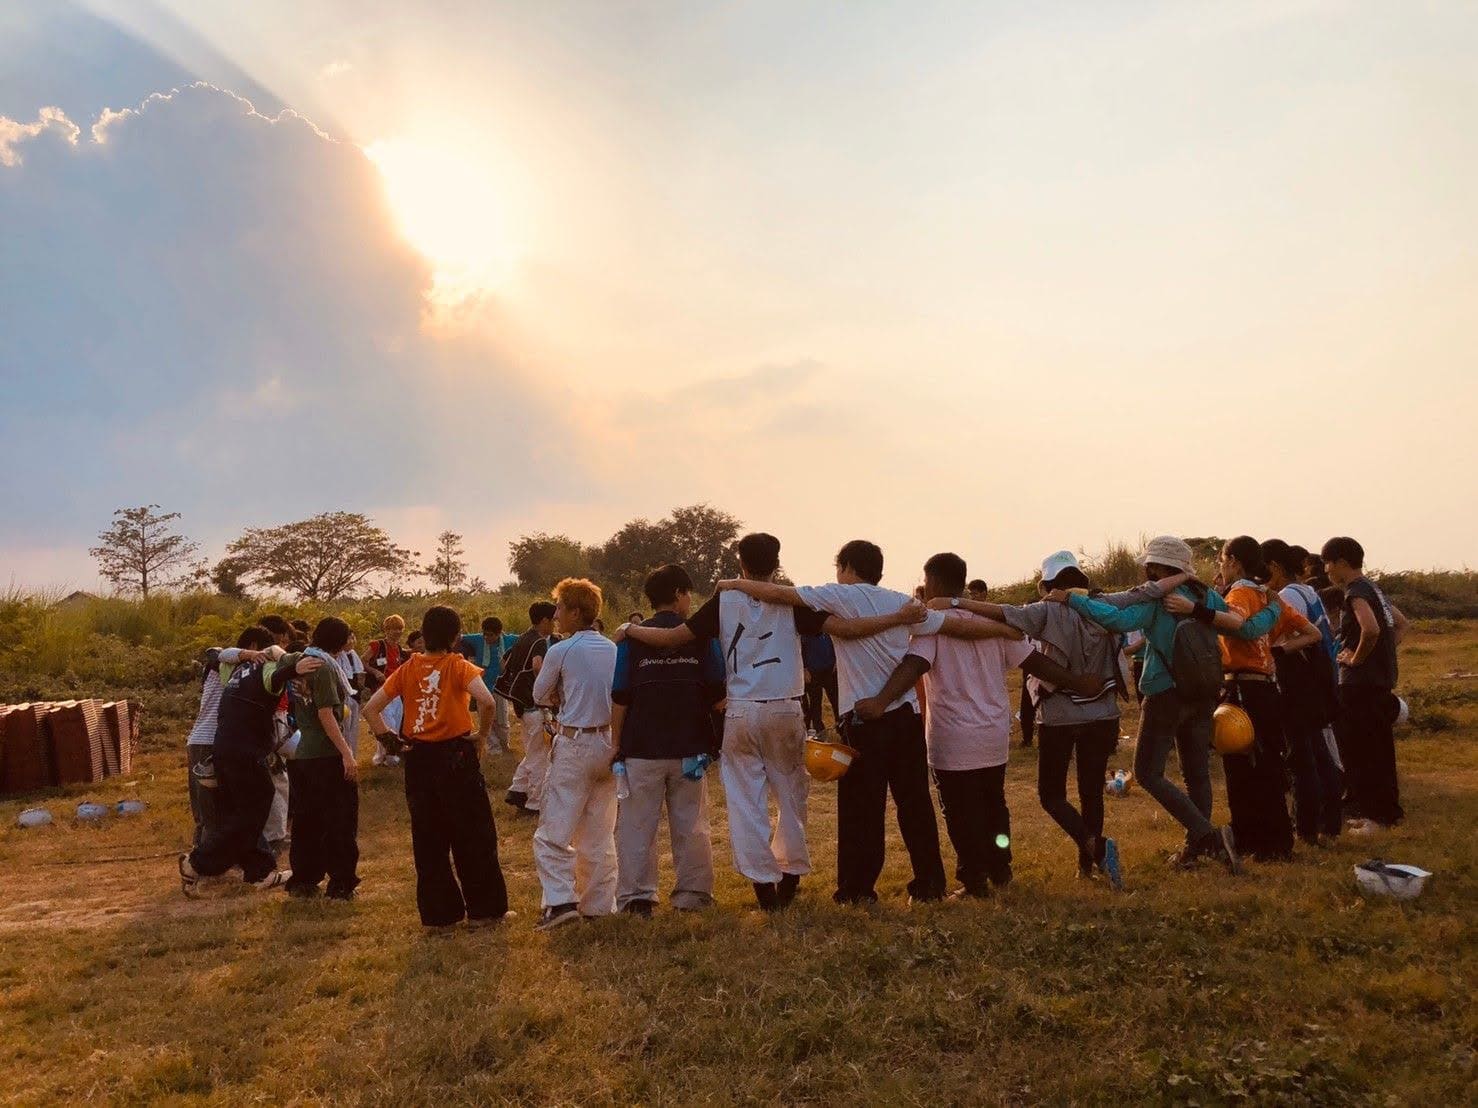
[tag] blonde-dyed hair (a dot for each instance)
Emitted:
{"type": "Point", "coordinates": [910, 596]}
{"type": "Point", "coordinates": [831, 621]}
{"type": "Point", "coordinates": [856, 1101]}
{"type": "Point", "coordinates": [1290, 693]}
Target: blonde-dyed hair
{"type": "Point", "coordinates": [393, 621]}
{"type": "Point", "coordinates": [581, 594]}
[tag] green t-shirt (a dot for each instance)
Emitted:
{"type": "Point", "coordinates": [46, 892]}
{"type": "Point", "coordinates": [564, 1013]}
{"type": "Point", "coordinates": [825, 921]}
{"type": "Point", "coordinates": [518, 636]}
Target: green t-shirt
{"type": "Point", "coordinates": [320, 689]}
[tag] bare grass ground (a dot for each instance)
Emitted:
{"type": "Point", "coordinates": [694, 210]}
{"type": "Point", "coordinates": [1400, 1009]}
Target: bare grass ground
{"type": "Point", "coordinates": [1282, 987]}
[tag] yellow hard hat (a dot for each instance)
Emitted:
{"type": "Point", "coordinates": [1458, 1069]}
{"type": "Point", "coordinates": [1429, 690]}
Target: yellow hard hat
{"type": "Point", "coordinates": [1231, 730]}
{"type": "Point", "coordinates": [828, 761]}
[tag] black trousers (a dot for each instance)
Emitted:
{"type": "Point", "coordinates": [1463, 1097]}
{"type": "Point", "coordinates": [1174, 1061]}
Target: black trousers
{"type": "Point", "coordinates": [244, 793]}
{"type": "Point", "coordinates": [1367, 717]}
{"type": "Point", "coordinates": [1317, 782]}
{"type": "Point", "coordinates": [452, 825]}
{"type": "Point", "coordinates": [822, 681]}
{"type": "Point", "coordinates": [325, 814]}
{"type": "Point", "coordinates": [892, 757]}
{"type": "Point", "coordinates": [979, 825]}
{"type": "Point", "coordinates": [1257, 783]}
{"type": "Point", "coordinates": [1093, 743]}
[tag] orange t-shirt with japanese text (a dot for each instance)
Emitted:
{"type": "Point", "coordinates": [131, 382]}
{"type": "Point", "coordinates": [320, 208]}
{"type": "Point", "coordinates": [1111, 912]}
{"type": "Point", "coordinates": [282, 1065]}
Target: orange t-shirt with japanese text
{"type": "Point", "coordinates": [1256, 655]}
{"type": "Point", "coordinates": [433, 688]}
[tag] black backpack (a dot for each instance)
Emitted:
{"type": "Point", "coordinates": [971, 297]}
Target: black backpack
{"type": "Point", "coordinates": [1195, 655]}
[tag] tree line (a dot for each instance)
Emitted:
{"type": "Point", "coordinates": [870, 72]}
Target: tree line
{"type": "Point", "coordinates": [336, 555]}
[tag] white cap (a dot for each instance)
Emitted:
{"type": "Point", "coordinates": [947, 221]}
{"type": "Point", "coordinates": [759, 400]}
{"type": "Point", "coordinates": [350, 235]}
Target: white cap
{"type": "Point", "coordinates": [1054, 564]}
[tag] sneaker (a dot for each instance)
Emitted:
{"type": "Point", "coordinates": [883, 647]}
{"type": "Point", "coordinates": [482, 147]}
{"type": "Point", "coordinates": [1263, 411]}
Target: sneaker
{"type": "Point", "coordinates": [478, 922]}
{"type": "Point", "coordinates": [766, 895]}
{"type": "Point", "coordinates": [1110, 865]}
{"type": "Point", "coordinates": [189, 879]}
{"type": "Point", "coordinates": [274, 880]}
{"type": "Point", "coordinates": [517, 799]}
{"type": "Point", "coordinates": [391, 760]}
{"type": "Point", "coordinates": [642, 908]}
{"type": "Point", "coordinates": [1364, 827]}
{"type": "Point", "coordinates": [963, 894]}
{"type": "Point", "coordinates": [790, 884]}
{"type": "Point", "coordinates": [557, 915]}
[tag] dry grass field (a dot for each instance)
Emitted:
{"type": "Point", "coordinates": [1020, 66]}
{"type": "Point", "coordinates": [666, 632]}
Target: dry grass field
{"type": "Point", "coordinates": [1284, 986]}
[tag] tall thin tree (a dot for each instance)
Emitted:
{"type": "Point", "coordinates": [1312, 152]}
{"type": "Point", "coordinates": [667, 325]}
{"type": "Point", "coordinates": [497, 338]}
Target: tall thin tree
{"type": "Point", "coordinates": [141, 551]}
{"type": "Point", "coordinates": [448, 570]}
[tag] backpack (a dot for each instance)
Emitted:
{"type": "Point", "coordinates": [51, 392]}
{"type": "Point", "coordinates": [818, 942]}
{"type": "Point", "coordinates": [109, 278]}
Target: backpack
{"type": "Point", "coordinates": [1195, 656]}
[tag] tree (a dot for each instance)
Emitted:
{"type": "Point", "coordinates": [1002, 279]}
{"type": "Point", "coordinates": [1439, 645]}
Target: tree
{"type": "Point", "coordinates": [323, 558]}
{"type": "Point", "coordinates": [706, 543]}
{"type": "Point", "coordinates": [633, 552]}
{"type": "Point", "coordinates": [540, 561]}
{"type": "Point", "coordinates": [449, 569]}
{"type": "Point", "coordinates": [141, 551]}
{"type": "Point", "coordinates": [226, 577]}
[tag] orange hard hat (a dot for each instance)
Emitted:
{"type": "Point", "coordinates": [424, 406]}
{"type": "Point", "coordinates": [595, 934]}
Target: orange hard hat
{"type": "Point", "coordinates": [828, 761]}
{"type": "Point", "coordinates": [1231, 730]}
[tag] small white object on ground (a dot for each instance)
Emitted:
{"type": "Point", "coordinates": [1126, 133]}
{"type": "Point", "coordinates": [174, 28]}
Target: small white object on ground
{"type": "Point", "coordinates": [90, 811]}
{"type": "Point", "coordinates": [130, 807]}
{"type": "Point", "coordinates": [33, 817]}
{"type": "Point", "coordinates": [1388, 879]}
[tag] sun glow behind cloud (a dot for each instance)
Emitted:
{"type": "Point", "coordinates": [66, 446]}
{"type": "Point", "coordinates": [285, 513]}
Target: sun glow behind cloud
{"type": "Point", "coordinates": [450, 205]}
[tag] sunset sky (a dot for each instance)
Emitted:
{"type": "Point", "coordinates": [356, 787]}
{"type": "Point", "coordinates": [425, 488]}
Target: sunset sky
{"type": "Point", "coordinates": [995, 278]}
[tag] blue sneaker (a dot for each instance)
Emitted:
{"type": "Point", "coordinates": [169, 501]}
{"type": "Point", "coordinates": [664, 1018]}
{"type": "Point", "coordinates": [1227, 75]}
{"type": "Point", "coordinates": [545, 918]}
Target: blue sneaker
{"type": "Point", "coordinates": [1110, 865]}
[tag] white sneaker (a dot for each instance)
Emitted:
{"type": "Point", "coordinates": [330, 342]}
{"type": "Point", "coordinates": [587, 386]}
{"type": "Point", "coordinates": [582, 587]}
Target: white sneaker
{"type": "Point", "coordinates": [275, 880]}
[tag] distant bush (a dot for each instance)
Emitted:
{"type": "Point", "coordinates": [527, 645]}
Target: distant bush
{"type": "Point", "coordinates": [1432, 594]}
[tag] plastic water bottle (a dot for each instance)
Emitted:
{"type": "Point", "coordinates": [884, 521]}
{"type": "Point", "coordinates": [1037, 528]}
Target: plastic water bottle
{"type": "Point", "coordinates": [623, 787]}
{"type": "Point", "coordinates": [696, 765]}
{"type": "Point", "coordinates": [131, 807]}
{"type": "Point", "coordinates": [90, 811]}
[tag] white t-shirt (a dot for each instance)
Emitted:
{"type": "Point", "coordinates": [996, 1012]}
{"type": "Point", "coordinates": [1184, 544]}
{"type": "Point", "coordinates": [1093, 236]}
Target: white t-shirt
{"type": "Point", "coordinates": [762, 652]}
{"type": "Point", "coordinates": [969, 721]}
{"type": "Point", "coordinates": [864, 665]}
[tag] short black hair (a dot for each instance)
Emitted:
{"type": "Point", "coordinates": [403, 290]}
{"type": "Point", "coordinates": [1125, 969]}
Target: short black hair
{"type": "Point", "coordinates": [492, 626]}
{"type": "Point", "coordinates": [1344, 549]}
{"type": "Point", "coordinates": [1332, 597]}
{"type": "Point", "coordinates": [277, 625]}
{"type": "Point", "coordinates": [948, 569]}
{"type": "Point", "coordinates": [664, 584]}
{"type": "Point", "coordinates": [302, 625]}
{"type": "Point", "coordinates": [977, 585]}
{"type": "Point", "coordinates": [1071, 577]}
{"type": "Point", "coordinates": [298, 642]}
{"type": "Point", "coordinates": [256, 637]}
{"type": "Point", "coordinates": [1300, 553]}
{"type": "Point", "coordinates": [1276, 552]}
{"type": "Point", "coordinates": [863, 558]}
{"type": "Point", "coordinates": [419, 634]}
{"type": "Point", "coordinates": [331, 635]}
{"type": "Point", "coordinates": [759, 554]}
{"type": "Point", "coordinates": [1245, 549]}
{"type": "Point", "coordinates": [441, 627]}
{"type": "Point", "coordinates": [539, 611]}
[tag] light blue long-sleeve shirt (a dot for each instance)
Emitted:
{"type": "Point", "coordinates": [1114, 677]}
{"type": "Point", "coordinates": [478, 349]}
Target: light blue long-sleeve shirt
{"type": "Point", "coordinates": [1158, 626]}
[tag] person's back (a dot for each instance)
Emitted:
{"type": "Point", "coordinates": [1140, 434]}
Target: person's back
{"type": "Point", "coordinates": [669, 695]}
{"type": "Point", "coordinates": [969, 721]}
{"type": "Point", "coordinates": [864, 664]}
